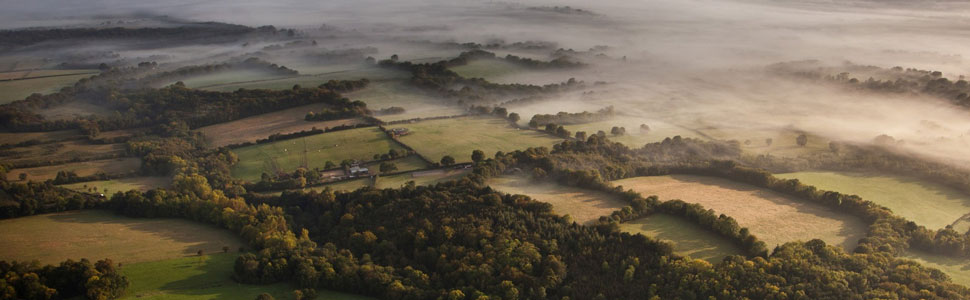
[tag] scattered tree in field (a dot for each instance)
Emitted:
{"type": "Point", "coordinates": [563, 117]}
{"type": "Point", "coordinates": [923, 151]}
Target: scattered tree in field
{"type": "Point", "coordinates": [394, 57]}
{"type": "Point", "coordinates": [601, 133]}
{"type": "Point", "coordinates": [22, 176]}
{"type": "Point", "coordinates": [329, 165]}
{"type": "Point", "coordinates": [305, 294]}
{"type": "Point", "coordinates": [644, 128]}
{"type": "Point", "coordinates": [387, 167]}
{"type": "Point", "coordinates": [447, 160]}
{"type": "Point", "coordinates": [225, 249]}
{"type": "Point", "coordinates": [618, 130]}
{"type": "Point", "coordinates": [200, 252]}
{"type": "Point", "coordinates": [747, 142]}
{"type": "Point", "coordinates": [768, 142]}
{"type": "Point", "coordinates": [514, 117]}
{"type": "Point", "coordinates": [478, 155]}
{"type": "Point", "coordinates": [801, 140]}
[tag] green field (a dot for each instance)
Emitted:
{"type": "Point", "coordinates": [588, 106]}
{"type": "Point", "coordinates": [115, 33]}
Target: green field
{"type": "Point", "coordinates": [488, 69]}
{"type": "Point", "coordinates": [957, 268]}
{"type": "Point", "coordinates": [287, 155]}
{"type": "Point", "coordinates": [501, 71]}
{"type": "Point", "coordinates": [416, 103]}
{"type": "Point", "coordinates": [108, 166]}
{"type": "Point", "coordinates": [582, 205]}
{"type": "Point", "coordinates": [926, 203]}
{"type": "Point", "coordinates": [109, 187]}
{"type": "Point", "coordinates": [688, 238]}
{"type": "Point", "coordinates": [227, 77]}
{"type": "Point", "coordinates": [458, 137]}
{"type": "Point", "coordinates": [19, 89]}
{"type": "Point", "coordinates": [192, 278]}
{"type": "Point", "coordinates": [98, 234]}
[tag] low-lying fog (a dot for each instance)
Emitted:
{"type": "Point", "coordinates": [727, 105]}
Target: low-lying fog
{"type": "Point", "coordinates": [685, 61]}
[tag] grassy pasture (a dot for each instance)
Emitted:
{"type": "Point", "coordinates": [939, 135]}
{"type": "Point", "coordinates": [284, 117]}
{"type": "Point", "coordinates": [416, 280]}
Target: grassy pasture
{"type": "Point", "coordinates": [419, 178]}
{"type": "Point", "coordinates": [926, 203]}
{"type": "Point", "coordinates": [458, 137]}
{"type": "Point", "coordinates": [773, 217]}
{"type": "Point", "coordinates": [120, 185]}
{"type": "Point", "coordinates": [31, 74]}
{"type": "Point", "coordinates": [72, 110]}
{"type": "Point", "coordinates": [19, 137]}
{"type": "Point", "coordinates": [416, 103]}
{"type": "Point", "coordinates": [61, 151]}
{"type": "Point", "coordinates": [501, 71]}
{"type": "Point", "coordinates": [688, 238]}
{"type": "Point", "coordinates": [97, 234]}
{"type": "Point", "coordinates": [262, 126]}
{"type": "Point", "coordinates": [287, 155]}
{"type": "Point", "coordinates": [659, 130]}
{"type": "Point", "coordinates": [584, 206]}
{"type": "Point", "coordinates": [206, 81]}
{"type": "Point", "coordinates": [19, 89]}
{"type": "Point", "coordinates": [957, 268]}
{"type": "Point", "coordinates": [108, 166]}
{"type": "Point", "coordinates": [190, 278]}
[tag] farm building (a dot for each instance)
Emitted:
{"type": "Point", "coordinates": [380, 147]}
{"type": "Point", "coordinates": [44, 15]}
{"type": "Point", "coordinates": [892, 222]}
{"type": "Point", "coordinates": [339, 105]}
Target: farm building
{"type": "Point", "coordinates": [400, 131]}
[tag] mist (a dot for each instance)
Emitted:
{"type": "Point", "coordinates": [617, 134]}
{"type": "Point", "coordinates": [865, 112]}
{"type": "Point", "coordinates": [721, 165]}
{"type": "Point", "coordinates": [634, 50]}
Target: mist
{"type": "Point", "coordinates": [678, 62]}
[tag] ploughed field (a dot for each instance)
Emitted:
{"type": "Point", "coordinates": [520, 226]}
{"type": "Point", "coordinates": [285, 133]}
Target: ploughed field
{"type": "Point", "coordinates": [98, 234]}
{"type": "Point", "coordinates": [772, 217]}
{"type": "Point", "coordinates": [926, 203]}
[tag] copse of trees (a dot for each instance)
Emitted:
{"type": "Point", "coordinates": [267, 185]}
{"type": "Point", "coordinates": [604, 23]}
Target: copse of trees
{"type": "Point", "coordinates": [565, 118]}
{"type": "Point", "coordinates": [67, 280]}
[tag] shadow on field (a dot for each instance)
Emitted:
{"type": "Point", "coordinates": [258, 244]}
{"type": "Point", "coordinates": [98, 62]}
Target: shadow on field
{"type": "Point", "coordinates": [852, 229]}
{"type": "Point", "coordinates": [197, 236]}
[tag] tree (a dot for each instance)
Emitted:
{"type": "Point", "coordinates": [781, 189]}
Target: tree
{"type": "Point", "coordinates": [801, 140]}
{"type": "Point", "coordinates": [225, 249]}
{"type": "Point", "coordinates": [22, 176]}
{"type": "Point", "coordinates": [478, 155]}
{"type": "Point", "coordinates": [329, 165]}
{"type": "Point", "coordinates": [835, 147]}
{"type": "Point", "coordinates": [581, 135]}
{"type": "Point", "coordinates": [447, 160]}
{"type": "Point", "coordinates": [768, 142]}
{"type": "Point", "coordinates": [500, 112]}
{"type": "Point", "coordinates": [265, 296]}
{"type": "Point", "coordinates": [387, 167]}
{"type": "Point", "coordinates": [644, 128]}
{"type": "Point", "coordinates": [514, 117]}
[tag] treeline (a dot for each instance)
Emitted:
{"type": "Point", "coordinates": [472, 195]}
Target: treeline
{"type": "Point", "coordinates": [898, 80]}
{"type": "Point", "coordinates": [439, 78]}
{"type": "Point", "coordinates": [31, 198]}
{"type": "Point", "coordinates": [286, 136]}
{"type": "Point", "coordinates": [565, 118]}
{"type": "Point", "coordinates": [251, 63]}
{"type": "Point", "coordinates": [67, 280]}
{"type": "Point", "coordinates": [209, 32]}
